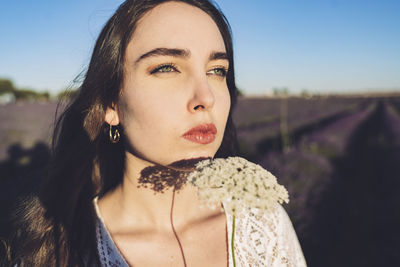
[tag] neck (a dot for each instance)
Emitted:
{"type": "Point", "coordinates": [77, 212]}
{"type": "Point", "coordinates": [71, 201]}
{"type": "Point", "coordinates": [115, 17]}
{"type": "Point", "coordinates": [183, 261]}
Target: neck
{"type": "Point", "coordinates": [138, 207]}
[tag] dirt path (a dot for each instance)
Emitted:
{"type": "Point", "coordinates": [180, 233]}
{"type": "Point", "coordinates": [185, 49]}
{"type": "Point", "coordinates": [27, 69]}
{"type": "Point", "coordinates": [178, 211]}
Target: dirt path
{"type": "Point", "coordinates": [359, 216]}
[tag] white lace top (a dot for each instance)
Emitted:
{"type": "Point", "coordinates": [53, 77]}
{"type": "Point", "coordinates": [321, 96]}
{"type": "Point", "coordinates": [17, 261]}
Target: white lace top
{"type": "Point", "coordinates": [267, 240]}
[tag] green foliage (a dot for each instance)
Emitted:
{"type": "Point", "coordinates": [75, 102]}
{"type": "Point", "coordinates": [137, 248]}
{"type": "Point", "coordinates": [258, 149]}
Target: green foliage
{"type": "Point", "coordinates": [239, 91]}
{"type": "Point", "coordinates": [7, 86]}
{"type": "Point", "coordinates": [67, 94]}
{"type": "Point", "coordinates": [281, 92]}
{"type": "Point", "coordinates": [305, 93]}
{"type": "Point", "coordinates": [29, 94]}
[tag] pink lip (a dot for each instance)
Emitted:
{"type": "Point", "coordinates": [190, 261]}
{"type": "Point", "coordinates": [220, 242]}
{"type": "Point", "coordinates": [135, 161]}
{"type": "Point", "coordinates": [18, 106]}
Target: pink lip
{"type": "Point", "coordinates": [202, 134]}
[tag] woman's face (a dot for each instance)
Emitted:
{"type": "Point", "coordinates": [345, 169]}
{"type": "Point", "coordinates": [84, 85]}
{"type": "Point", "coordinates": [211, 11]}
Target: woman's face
{"type": "Point", "coordinates": [175, 101]}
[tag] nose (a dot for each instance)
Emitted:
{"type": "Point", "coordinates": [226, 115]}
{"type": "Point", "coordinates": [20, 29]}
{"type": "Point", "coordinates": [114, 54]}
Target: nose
{"type": "Point", "coordinates": [202, 97]}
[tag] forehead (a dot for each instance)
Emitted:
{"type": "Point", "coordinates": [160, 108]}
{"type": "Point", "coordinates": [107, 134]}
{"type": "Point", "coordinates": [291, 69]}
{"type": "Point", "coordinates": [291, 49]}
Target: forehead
{"type": "Point", "coordinates": [176, 25]}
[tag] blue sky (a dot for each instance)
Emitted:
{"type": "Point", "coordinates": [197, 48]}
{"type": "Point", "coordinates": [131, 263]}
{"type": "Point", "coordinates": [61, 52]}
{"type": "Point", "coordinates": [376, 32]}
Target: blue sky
{"type": "Point", "coordinates": [318, 45]}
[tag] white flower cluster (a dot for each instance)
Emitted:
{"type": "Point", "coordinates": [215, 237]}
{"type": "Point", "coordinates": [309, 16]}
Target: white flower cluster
{"type": "Point", "coordinates": [238, 183]}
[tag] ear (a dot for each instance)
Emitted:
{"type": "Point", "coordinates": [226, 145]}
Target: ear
{"type": "Point", "coordinates": [112, 116]}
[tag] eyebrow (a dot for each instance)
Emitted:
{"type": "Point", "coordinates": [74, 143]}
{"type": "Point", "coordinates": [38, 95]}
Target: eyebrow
{"type": "Point", "coordinates": [218, 55]}
{"type": "Point", "coordinates": [176, 52]}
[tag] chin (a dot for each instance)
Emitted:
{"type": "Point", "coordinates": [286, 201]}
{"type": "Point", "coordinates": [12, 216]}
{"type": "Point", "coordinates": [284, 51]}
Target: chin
{"type": "Point", "coordinates": [201, 154]}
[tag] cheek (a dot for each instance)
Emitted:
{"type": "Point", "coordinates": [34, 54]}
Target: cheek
{"type": "Point", "coordinates": [138, 102]}
{"type": "Point", "coordinates": [224, 105]}
{"type": "Point", "coordinates": [140, 114]}
{"type": "Point", "coordinates": [146, 114]}
{"type": "Point", "coordinates": [142, 127]}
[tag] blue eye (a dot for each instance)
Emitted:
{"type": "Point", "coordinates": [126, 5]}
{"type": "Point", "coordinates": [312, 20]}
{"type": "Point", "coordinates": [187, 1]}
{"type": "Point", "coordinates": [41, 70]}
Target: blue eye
{"type": "Point", "coordinates": [164, 68]}
{"type": "Point", "coordinates": [220, 71]}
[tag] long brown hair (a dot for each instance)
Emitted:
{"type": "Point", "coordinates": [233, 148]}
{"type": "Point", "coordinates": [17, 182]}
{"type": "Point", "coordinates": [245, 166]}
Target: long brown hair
{"type": "Point", "coordinates": [57, 228]}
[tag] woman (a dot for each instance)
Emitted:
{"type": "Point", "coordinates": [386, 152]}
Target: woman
{"type": "Point", "coordinates": [159, 89]}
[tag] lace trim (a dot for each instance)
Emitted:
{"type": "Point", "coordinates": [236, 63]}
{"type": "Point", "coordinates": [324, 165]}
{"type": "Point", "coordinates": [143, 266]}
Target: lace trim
{"type": "Point", "coordinates": [266, 240]}
{"type": "Point", "coordinates": [109, 254]}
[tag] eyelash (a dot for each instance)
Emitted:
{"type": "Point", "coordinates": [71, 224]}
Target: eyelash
{"type": "Point", "coordinates": [159, 69]}
{"type": "Point", "coordinates": [222, 69]}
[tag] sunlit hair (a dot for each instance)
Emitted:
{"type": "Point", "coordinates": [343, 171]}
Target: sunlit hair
{"type": "Point", "coordinates": [59, 226]}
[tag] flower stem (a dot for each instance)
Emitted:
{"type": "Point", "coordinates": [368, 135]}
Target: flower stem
{"type": "Point", "coordinates": [233, 241]}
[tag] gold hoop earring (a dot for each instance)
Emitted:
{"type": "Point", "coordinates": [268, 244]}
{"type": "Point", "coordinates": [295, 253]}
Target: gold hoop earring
{"type": "Point", "coordinates": [114, 138]}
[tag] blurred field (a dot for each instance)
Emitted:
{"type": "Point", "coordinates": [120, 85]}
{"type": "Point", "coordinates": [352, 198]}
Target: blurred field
{"type": "Point", "coordinates": [24, 124]}
{"type": "Point", "coordinates": [338, 156]}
